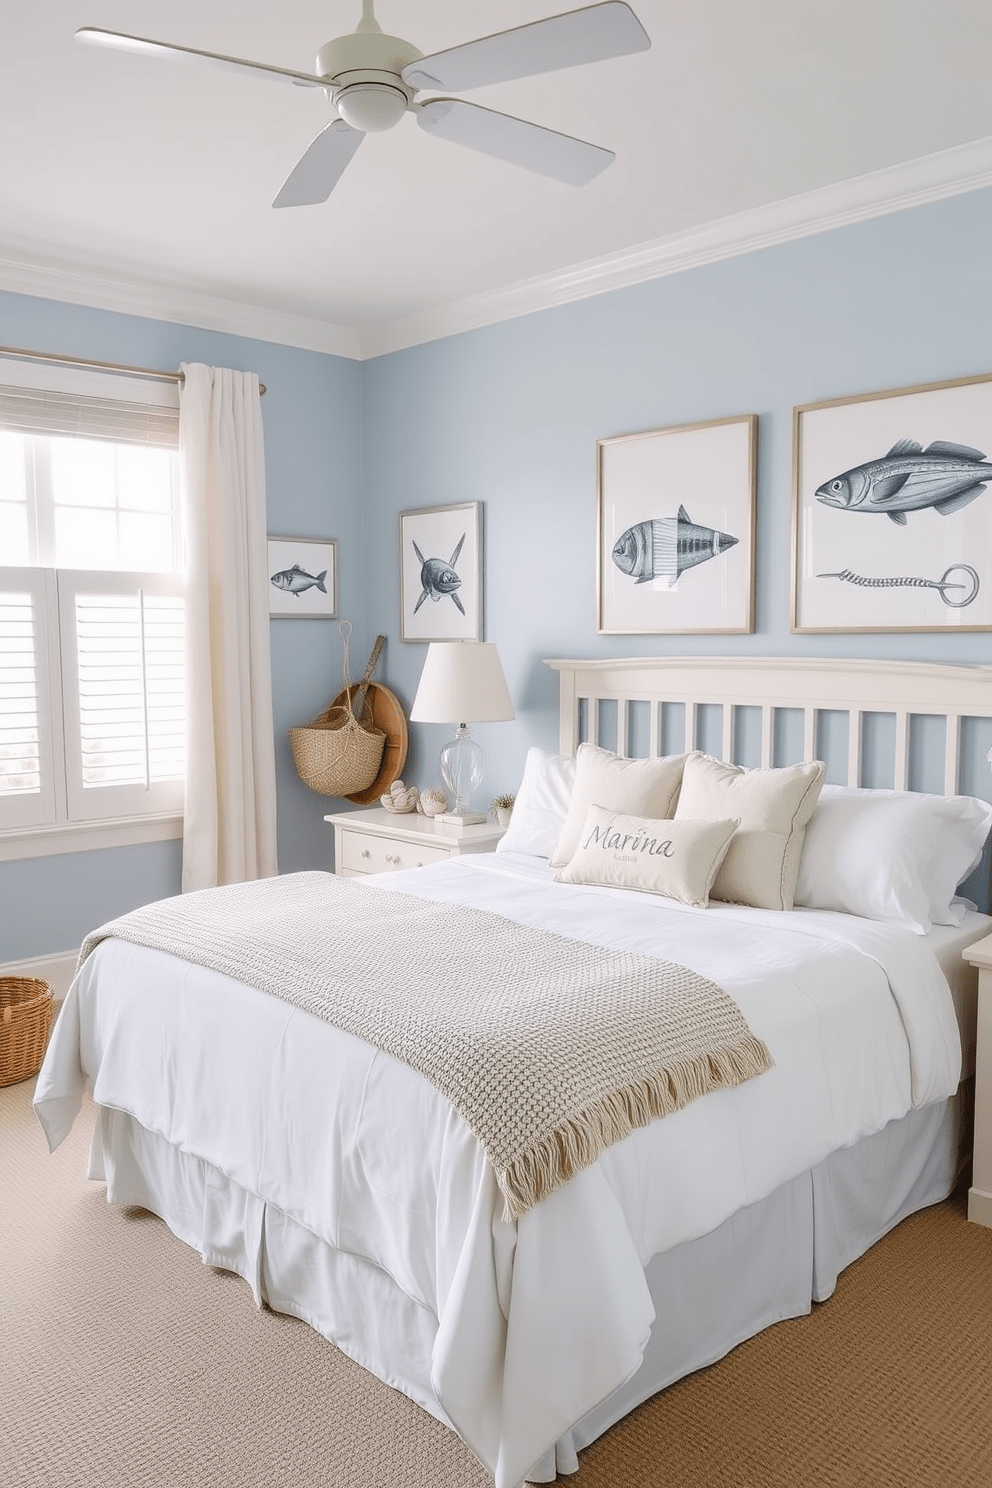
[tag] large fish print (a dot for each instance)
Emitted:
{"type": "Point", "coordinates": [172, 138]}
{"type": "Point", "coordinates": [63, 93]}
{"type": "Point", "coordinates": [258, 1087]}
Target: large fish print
{"type": "Point", "coordinates": [662, 549]}
{"type": "Point", "coordinates": [439, 578]}
{"type": "Point", "coordinates": [910, 478]}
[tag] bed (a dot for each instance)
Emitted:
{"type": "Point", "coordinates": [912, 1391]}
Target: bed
{"type": "Point", "coordinates": [347, 1191]}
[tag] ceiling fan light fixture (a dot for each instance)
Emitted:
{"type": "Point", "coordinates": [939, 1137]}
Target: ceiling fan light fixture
{"type": "Point", "coordinates": [371, 107]}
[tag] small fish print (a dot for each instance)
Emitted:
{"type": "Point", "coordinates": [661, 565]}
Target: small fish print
{"type": "Point", "coordinates": [910, 478]}
{"type": "Point", "coordinates": [439, 578]}
{"type": "Point", "coordinates": [296, 580]}
{"type": "Point", "coordinates": [664, 548]}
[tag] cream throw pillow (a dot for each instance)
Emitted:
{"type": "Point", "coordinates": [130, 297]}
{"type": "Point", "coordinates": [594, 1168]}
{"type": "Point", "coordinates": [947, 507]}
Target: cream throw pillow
{"type": "Point", "coordinates": [773, 807]}
{"type": "Point", "coordinates": [638, 787]}
{"type": "Point", "coordinates": [676, 858]}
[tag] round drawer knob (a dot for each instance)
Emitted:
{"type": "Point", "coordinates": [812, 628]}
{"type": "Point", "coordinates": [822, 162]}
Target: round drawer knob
{"type": "Point", "coordinates": [366, 853]}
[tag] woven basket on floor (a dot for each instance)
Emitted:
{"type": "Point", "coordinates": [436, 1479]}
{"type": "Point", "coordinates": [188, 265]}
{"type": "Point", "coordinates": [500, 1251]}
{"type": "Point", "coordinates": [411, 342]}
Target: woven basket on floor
{"type": "Point", "coordinates": [25, 1015]}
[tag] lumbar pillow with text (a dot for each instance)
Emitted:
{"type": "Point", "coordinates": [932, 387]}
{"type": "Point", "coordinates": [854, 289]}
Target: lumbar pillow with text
{"type": "Point", "coordinates": [677, 858]}
{"type": "Point", "coordinates": [773, 807]}
{"type": "Point", "coordinates": [637, 787]}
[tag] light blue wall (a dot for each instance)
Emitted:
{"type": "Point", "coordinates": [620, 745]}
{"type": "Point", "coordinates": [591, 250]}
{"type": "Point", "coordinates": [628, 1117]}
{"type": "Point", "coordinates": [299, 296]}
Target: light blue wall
{"type": "Point", "coordinates": [313, 439]}
{"type": "Point", "coordinates": [509, 415]}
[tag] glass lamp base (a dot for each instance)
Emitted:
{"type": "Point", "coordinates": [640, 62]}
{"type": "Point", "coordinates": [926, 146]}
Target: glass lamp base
{"type": "Point", "coordinates": [462, 770]}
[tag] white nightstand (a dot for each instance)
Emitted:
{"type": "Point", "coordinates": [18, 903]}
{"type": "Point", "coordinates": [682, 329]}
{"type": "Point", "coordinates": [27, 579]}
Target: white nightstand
{"type": "Point", "coordinates": [980, 1193]}
{"type": "Point", "coordinates": [381, 841]}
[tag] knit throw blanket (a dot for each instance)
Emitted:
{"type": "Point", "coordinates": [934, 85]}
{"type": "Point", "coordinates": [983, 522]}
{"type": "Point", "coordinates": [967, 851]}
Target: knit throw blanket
{"type": "Point", "coordinates": [550, 1048]}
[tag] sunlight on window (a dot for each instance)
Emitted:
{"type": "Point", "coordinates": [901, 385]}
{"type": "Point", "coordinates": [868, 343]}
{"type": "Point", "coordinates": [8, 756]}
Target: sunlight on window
{"type": "Point", "coordinates": [12, 478]}
{"type": "Point", "coordinates": [144, 478]}
{"type": "Point", "coordinates": [14, 549]}
{"type": "Point", "coordinates": [145, 541]}
{"type": "Point", "coordinates": [85, 538]}
{"type": "Point", "coordinates": [84, 472]}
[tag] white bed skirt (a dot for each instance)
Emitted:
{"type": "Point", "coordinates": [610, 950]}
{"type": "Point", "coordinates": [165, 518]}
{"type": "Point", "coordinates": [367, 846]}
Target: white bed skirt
{"type": "Point", "coordinates": [767, 1262]}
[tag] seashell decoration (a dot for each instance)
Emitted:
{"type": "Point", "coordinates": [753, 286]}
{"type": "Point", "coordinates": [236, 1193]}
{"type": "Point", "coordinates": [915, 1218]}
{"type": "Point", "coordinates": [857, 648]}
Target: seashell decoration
{"type": "Point", "coordinates": [432, 802]}
{"type": "Point", "coordinates": [401, 798]}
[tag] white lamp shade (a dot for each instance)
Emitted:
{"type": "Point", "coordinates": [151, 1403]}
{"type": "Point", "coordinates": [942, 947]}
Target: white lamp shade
{"type": "Point", "coordinates": [462, 682]}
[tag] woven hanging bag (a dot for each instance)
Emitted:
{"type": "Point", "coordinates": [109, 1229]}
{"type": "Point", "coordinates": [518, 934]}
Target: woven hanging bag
{"type": "Point", "coordinates": [336, 753]}
{"type": "Point", "coordinates": [25, 1016]}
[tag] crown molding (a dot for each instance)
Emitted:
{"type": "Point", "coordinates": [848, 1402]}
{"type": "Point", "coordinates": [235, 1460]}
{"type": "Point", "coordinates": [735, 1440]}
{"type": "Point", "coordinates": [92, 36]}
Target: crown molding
{"type": "Point", "coordinates": [913, 183]}
{"type": "Point", "coordinates": [23, 273]}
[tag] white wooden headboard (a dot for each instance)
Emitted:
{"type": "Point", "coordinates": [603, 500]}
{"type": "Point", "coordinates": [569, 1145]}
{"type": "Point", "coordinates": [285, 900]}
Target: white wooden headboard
{"type": "Point", "coordinates": [857, 688]}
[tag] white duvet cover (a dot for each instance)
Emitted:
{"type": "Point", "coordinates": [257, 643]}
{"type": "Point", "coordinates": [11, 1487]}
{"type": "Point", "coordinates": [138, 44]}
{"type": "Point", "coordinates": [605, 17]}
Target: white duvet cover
{"type": "Point", "coordinates": [540, 1320]}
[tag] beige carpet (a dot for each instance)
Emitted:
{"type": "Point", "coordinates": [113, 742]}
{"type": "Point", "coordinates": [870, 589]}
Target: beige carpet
{"type": "Point", "coordinates": [126, 1363]}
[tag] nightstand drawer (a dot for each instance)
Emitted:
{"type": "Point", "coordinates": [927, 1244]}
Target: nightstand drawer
{"type": "Point", "coordinates": [363, 852]}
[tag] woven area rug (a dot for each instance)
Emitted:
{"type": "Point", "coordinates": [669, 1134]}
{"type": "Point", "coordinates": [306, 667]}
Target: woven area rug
{"type": "Point", "coordinates": [126, 1363]}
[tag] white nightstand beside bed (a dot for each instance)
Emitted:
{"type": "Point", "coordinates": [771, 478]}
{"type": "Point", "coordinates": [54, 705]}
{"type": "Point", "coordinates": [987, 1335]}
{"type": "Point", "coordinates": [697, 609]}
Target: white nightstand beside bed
{"type": "Point", "coordinates": [381, 841]}
{"type": "Point", "coordinates": [531, 1337]}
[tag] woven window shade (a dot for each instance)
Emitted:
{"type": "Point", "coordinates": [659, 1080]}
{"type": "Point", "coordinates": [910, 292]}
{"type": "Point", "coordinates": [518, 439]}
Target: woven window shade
{"type": "Point", "coordinates": [33, 411]}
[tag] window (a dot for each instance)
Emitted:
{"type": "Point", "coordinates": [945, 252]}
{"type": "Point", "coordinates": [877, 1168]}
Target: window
{"type": "Point", "coordinates": [92, 651]}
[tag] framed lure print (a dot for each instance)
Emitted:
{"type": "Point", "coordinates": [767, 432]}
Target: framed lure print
{"type": "Point", "coordinates": [892, 512]}
{"type": "Point", "coordinates": [441, 573]}
{"type": "Point", "coordinates": [676, 529]}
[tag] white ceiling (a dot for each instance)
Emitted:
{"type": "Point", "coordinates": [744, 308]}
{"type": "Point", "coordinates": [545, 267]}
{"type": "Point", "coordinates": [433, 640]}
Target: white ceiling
{"type": "Point", "coordinates": [155, 177]}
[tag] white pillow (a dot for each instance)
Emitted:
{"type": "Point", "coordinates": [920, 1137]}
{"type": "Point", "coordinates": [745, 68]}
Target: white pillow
{"type": "Point", "coordinates": [676, 858]}
{"type": "Point", "coordinates": [541, 805]}
{"type": "Point", "coordinates": [896, 856]}
{"type": "Point", "coordinates": [773, 807]}
{"type": "Point", "coordinates": [637, 787]}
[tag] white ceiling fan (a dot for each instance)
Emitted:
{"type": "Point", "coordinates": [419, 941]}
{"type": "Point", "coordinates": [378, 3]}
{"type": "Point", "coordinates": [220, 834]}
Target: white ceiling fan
{"type": "Point", "coordinates": [372, 80]}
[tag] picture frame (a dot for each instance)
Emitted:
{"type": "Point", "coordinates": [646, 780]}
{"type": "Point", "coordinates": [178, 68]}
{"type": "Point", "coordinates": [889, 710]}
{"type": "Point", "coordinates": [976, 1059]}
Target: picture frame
{"type": "Point", "coordinates": [441, 573]}
{"type": "Point", "coordinates": [676, 528]}
{"type": "Point", "coordinates": [307, 571]}
{"type": "Point", "coordinates": [892, 519]}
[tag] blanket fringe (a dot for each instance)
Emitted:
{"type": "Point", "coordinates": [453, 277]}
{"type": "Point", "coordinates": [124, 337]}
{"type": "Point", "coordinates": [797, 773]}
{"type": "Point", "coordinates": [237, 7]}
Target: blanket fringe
{"type": "Point", "coordinates": [579, 1140]}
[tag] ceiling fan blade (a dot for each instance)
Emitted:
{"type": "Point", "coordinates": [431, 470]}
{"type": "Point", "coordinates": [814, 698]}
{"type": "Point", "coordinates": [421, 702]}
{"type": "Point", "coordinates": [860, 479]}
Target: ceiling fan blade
{"type": "Point", "coordinates": [589, 35]}
{"type": "Point", "coordinates": [144, 46]}
{"type": "Point", "coordinates": [537, 149]}
{"type": "Point", "coordinates": [321, 166]}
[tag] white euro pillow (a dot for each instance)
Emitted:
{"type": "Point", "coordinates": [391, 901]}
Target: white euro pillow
{"type": "Point", "coordinates": [773, 807]}
{"type": "Point", "coordinates": [678, 859]}
{"type": "Point", "coordinates": [541, 805]}
{"type": "Point", "coordinates": [636, 787]}
{"type": "Point", "coordinates": [895, 856]}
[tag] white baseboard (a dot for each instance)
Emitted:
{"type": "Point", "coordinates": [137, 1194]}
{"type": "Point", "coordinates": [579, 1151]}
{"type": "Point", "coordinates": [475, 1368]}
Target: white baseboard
{"type": "Point", "coordinates": [57, 970]}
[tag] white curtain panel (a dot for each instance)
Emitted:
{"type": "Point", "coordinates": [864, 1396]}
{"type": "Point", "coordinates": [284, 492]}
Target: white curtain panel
{"type": "Point", "coordinates": [229, 833]}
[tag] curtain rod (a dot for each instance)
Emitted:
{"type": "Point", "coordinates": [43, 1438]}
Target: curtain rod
{"type": "Point", "coordinates": [71, 361]}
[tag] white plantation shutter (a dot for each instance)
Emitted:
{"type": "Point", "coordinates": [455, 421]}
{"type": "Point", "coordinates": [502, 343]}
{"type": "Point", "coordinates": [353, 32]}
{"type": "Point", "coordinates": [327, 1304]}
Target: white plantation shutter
{"type": "Point", "coordinates": [27, 793]}
{"type": "Point", "coordinates": [124, 692]}
{"type": "Point", "coordinates": [92, 660]}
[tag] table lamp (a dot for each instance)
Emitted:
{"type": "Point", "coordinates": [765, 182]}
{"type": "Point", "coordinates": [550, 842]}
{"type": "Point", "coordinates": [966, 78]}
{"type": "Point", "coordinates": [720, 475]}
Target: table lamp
{"type": "Point", "coordinates": [462, 683]}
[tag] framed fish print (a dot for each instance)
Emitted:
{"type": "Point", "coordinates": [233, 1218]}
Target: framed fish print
{"type": "Point", "coordinates": [441, 573]}
{"type": "Point", "coordinates": [892, 513]}
{"type": "Point", "coordinates": [303, 578]}
{"type": "Point", "coordinates": [676, 529]}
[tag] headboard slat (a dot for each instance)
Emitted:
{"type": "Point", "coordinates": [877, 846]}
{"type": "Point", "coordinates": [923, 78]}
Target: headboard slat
{"type": "Point", "coordinates": [855, 727]}
{"type": "Point", "coordinates": [901, 770]}
{"type": "Point", "coordinates": [952, 754]}
{"type": "Point", "coordinates": [767, 735]}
